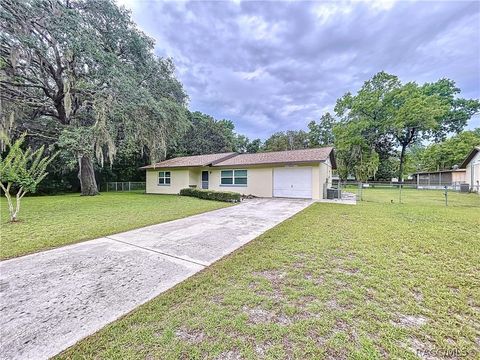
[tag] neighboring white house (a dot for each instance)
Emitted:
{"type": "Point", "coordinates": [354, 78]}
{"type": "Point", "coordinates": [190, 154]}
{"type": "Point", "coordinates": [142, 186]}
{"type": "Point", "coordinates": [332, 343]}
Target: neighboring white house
{"type": "Point", "coordinates": [302, 173]}
{"type": "Point", "coordinates": [472, 169]}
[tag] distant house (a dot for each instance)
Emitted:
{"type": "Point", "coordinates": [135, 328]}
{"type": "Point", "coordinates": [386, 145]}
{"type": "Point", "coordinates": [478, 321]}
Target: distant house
{"type": "Point", "coordinates": [302, 173]}
{"type": "Point", "coordinates": [471, 165]}
{"type": "Point", "coordinates": [439, 179]}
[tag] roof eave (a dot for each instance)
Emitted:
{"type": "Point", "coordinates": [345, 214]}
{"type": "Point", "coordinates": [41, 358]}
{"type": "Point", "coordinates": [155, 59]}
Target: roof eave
{"type": "Point", "coordinates": [470, 157]}
{"type": "Point", "coordinates": [149, 167]}
{"type": "Point", "coordinates": [271, 163]}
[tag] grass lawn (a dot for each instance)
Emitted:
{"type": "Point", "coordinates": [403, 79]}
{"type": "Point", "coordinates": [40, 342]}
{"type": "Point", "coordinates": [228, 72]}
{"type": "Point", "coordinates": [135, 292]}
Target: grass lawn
{"type": "Point", "coordinates": [52, 221]}
{"type": "Point", "coordinates": [370, 281]}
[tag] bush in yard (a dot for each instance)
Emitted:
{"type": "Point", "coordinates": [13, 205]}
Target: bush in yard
{"type": "Point", "coordinates": [228, 196]}
{"type": "Point", "coordinates": [21, 170]}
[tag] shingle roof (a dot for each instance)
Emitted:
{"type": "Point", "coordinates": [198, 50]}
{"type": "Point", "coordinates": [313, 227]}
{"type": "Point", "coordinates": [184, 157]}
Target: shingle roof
{"type": "Point", "coordinates": [187, 161]}
{"type": "Point", "coordinates": [234, 159]}
{"type": "Point", "coordinates": [470, 157]}
{"type": "Point", "coordinates": [281, 157]}
{"type": "Point", "coordinates": [438, 171]}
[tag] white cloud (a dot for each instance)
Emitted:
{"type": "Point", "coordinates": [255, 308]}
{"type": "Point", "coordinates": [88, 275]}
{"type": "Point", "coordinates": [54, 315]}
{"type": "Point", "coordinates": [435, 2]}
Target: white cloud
{"type": "Point", "coordinates": [255, 27]}
{"type": "Point", "coordinates": [272, 66]}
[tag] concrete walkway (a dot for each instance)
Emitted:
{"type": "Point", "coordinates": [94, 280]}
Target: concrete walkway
{"type": "Point", "coordinates": [51, 300]}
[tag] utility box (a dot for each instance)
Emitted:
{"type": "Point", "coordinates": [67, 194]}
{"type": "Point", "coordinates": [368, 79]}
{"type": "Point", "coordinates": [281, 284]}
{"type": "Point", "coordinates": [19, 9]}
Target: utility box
{"type": "Point", "coordinates": [334, 194]}
{"type": "Point", "coordinates": [464, 187]}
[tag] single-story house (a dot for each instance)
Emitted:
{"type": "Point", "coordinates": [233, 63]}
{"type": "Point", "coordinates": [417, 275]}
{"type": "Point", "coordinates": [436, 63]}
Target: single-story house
{"type": "Point", "coordinates": [452, 178]}
{"type": "Point", "coordinates": [302, 173]}
{"type": "Point", "coordinates": [471, 164]}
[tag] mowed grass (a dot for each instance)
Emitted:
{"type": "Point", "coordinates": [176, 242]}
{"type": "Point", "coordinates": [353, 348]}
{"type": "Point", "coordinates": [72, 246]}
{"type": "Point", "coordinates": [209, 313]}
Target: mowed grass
{"type": "Point", "coordinates": [51, 221]}
{"type": "Point", "coordinates": [372, 281]}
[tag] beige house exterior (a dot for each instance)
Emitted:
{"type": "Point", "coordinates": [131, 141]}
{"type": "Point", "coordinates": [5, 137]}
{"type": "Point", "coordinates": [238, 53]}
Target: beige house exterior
{"type": "Point", "coordinates": [472, 169]}
{"type": "Point", "coordinates": [297, 173]}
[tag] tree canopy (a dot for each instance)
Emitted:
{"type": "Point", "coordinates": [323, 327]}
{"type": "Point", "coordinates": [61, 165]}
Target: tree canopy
{"type": "Point", "coordinates": [391, 116]}
{"type": "Point", "coordinates": [321, 133]}
{"type": "Point", "coordinates": [79, 74]}
{"type": "Point", "coordinates": [446, 154]}
{"type": "Point", "coordinates": [287, 140]}
{"type": "Point", "coordinates": [206, 135]}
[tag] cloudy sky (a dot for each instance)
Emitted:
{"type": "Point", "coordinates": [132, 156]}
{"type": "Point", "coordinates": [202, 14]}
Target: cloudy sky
{"type": "Point", "coordinates": [272, 66]}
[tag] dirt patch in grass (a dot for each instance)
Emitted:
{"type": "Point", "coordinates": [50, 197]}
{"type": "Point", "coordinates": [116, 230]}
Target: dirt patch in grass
{"type": "Point", "coordinates": [261, 349]}
{"type": "Point", "coordinates": [305, 257]}
{"type": "Point", "coordinates": [334, 305]}
{"type": "Point", "coordinates": [318, 338]}
{"type": "Point", "coordinates": [258, 316]}
{"type": "Point", "coordinates": [454, 290]}
{"type": "Point", "coordinates": [336, 354]}
{"type": "Point", "coordinates": [298, 265]}
{"type": "Point", "coordinates": [276, 295]}
{"type": "Point", "coordinates": [308, 275]}
{"type": "Point", "coordinates": [341, 326]}
{"type": "Point", "coordinates": [217, 299]}
{"type": "Point", "coordinates": [190, 336]}
{"type": "Point", "coordinates": [305, 301]}
{"type": "Point", "coordinates": [288, 347]}
{"type": "Point", "coordinates": [341, 285]}
{"type": "Point", "coordinates": [306, 315]}
{"type": "Point", "coordinates": [474, 305]}
{"type": "Point", "coordinates": [417, 294]}
{"type": "Point", "coordinates": [274, 276]}
{"type": "Point", "coordinates": [349, 271]}
{"type": "Point", "coordinates": [230, 355]}
{"type": "Point", "coordinates": [261, 316]}
{"type": "Point", "coordinates": [410, 321]}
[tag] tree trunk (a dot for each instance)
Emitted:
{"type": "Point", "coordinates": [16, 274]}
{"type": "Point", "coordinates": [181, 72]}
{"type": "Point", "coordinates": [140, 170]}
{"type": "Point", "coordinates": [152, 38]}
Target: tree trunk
{"type": "Point", "coordinates": [402, 161]}
{"type": "Point", "coordinates": [13, 210]}
{"type": "Point", "coordinates": [86, 174]}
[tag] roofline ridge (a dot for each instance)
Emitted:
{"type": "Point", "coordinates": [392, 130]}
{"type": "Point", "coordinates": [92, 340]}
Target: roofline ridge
{"type": "Point", "coordinates": [281, 151]}
{"type": "Point", "coordinates": [231, 155]}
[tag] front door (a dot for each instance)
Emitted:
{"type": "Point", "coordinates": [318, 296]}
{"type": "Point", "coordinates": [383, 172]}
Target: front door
{"type": "Point", "coordinates": [204, 179]}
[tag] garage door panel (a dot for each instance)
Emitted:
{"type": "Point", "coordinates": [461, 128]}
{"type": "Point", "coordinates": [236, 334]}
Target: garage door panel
{"type": "Point", "coordinates": [292, 182]}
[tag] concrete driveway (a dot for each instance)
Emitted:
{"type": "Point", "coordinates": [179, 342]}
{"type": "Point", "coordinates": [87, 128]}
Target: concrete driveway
{"type": "Point", "coordinates": [51, 300]}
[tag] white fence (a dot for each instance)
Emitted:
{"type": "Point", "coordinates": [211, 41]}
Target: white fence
{"type": "Point", "coordinates": [125, 186]}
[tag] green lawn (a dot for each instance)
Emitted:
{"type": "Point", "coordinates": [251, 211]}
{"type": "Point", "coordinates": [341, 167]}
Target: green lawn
{"type": "Point", "coordinates": [52, 221]}
{"type": "Point", "coordinates": [370, 281]}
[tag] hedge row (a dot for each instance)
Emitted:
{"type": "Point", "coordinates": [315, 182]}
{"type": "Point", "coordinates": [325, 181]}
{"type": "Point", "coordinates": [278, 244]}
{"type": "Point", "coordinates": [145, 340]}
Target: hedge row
{"type": "Point", "coordinates": [227, 196]}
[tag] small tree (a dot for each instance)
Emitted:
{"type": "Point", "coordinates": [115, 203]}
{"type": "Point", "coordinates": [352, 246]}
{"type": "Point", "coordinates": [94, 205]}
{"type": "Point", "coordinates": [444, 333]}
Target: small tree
{"type": "Point", "coordinates": [22, 170]}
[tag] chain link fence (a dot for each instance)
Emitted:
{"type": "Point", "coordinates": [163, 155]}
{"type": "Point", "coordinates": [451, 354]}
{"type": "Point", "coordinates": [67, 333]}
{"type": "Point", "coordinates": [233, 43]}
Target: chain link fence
{"type": "Point", "coordinates": [124, 186]}
{"type": "Point", "coordinates": [408, 192]}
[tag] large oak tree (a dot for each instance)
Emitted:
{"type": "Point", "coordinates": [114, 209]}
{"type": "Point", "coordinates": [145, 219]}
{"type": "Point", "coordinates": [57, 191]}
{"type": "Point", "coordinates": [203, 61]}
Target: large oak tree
{"type": "Point", "coordinates": [79, 74]}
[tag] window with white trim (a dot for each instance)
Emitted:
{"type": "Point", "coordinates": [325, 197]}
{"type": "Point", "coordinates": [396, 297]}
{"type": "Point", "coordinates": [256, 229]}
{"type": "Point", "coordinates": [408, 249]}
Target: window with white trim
{"type": "Point", "coordinates": [233, 177]}
{"type": "Point", "coordinates": [164, 178]}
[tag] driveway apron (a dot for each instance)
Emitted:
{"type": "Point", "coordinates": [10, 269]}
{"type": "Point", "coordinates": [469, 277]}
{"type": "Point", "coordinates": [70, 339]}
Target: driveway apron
{"type": "Point", "coordinates": [52, 299]}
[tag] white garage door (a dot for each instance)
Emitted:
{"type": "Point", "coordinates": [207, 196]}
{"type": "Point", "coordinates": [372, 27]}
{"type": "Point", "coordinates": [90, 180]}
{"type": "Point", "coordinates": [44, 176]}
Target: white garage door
{"type": "Point", "coordinates": [295, 182]}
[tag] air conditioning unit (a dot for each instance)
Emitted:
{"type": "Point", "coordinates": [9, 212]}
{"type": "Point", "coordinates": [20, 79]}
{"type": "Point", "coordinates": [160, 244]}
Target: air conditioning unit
{"type": "Point", "coordinates": [334, 193]}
